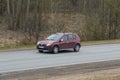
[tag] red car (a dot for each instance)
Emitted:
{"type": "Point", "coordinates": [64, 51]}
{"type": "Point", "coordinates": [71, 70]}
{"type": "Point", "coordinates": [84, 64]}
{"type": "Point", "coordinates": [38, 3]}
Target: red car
{"type": "Point", "coordinates": [59, 41]}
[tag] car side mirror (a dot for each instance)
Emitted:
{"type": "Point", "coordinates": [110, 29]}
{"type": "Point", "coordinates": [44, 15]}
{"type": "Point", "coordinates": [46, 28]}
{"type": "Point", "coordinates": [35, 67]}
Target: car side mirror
{"type": "Point", "coordinates": [61, 40]}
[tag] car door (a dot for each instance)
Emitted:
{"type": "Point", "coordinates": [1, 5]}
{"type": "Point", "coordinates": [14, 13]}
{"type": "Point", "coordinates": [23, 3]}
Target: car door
{"type": "Point", "coordinates": [63, 42]}
{"type": "Point", "coordinates": [71, 40]}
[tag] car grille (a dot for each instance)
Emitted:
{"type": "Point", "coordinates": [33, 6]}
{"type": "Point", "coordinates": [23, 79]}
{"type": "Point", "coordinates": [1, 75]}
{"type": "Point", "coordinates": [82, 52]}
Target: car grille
{"type": "Point", "coordinates": [42, 45]}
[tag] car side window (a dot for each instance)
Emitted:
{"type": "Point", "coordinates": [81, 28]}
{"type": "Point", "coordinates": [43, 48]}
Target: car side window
{"type": "Point", "coordinates": [64, 38]}
{"type": "Point", "coordinates": [74, 37]}
{"type": "Point", "coordinates": [71, 37]}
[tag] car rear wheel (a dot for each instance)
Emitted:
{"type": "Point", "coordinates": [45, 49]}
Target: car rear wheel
{"type": "Point", "coordinates": [77, 48]}
{"type": "Point", "coordinates": [55, 49]}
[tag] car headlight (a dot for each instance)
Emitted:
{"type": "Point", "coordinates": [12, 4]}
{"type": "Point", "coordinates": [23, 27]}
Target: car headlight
{"type": "Point", "coordinates": [38, 43]}
{"type": "Point", "coordinates": [48, 44]}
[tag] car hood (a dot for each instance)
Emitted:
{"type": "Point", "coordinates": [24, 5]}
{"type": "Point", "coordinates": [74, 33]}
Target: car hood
{"type": "Point", "coordinates": [46, 42]}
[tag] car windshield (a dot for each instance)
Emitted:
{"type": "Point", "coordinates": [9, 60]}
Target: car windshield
{"type": "Point", "coordinates": [54, 37]}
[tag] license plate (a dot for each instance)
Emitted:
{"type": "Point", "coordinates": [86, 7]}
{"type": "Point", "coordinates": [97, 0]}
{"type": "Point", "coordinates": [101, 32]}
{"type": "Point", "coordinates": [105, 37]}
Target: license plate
{"type": "Point", "coordinates": [41, 47]}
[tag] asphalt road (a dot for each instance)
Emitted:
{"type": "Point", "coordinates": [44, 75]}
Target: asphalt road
{"type": "Point", "coordinates": [30, 59]}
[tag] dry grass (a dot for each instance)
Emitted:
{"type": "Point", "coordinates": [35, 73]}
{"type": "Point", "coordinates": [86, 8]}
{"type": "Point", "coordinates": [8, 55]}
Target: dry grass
{"type": "Point", "coordinates": [113, 74]}
{"type": "Point", "coordinates": [8, 37]}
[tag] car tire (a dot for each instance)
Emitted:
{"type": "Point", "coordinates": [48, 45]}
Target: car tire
{"type": "Point", "coordinates": [77, 48]}
{"type": "Point", "coordinates": [55, 49]}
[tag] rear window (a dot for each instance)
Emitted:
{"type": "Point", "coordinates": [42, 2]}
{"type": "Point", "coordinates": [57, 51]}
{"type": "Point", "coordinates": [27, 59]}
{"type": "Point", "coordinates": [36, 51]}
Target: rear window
{"type": "Point", "coordinates": [71, 37]}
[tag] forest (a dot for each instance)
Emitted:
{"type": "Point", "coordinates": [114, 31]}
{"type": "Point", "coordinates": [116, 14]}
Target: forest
{"type": "Point", "coordinates": [90, 19]}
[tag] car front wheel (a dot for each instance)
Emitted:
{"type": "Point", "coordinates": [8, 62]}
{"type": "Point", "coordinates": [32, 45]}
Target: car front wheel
{"type": "Point", "coordinates": [55, 49]}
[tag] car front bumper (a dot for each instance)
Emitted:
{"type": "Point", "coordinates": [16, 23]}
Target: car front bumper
{"type": "Point", "coordinates": [44, 48]}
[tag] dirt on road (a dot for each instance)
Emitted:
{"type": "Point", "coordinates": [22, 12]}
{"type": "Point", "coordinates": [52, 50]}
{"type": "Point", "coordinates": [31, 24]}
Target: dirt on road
{"type": "Point", "coordinates": [107, 70]}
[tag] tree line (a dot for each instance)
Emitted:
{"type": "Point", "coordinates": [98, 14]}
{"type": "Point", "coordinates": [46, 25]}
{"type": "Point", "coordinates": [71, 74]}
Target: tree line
{"type": "Point", "coordinates": [101, 17]}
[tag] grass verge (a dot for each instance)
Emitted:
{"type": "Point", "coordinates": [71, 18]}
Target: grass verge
{"type": "Point", "coordinates": [84, 43]}
{"type": "Point", "coordinates": [18, 47]}
{"type": "Point", "coordinates": [100, 42]}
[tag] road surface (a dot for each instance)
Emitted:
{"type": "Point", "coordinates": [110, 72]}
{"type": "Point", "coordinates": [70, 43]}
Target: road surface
{"type": "Point", "coordinates": [11, 61]}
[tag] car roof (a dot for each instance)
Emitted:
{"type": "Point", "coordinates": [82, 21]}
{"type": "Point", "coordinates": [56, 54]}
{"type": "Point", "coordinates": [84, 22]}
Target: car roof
{"type": "Point", "coordinates": [64, 33]}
